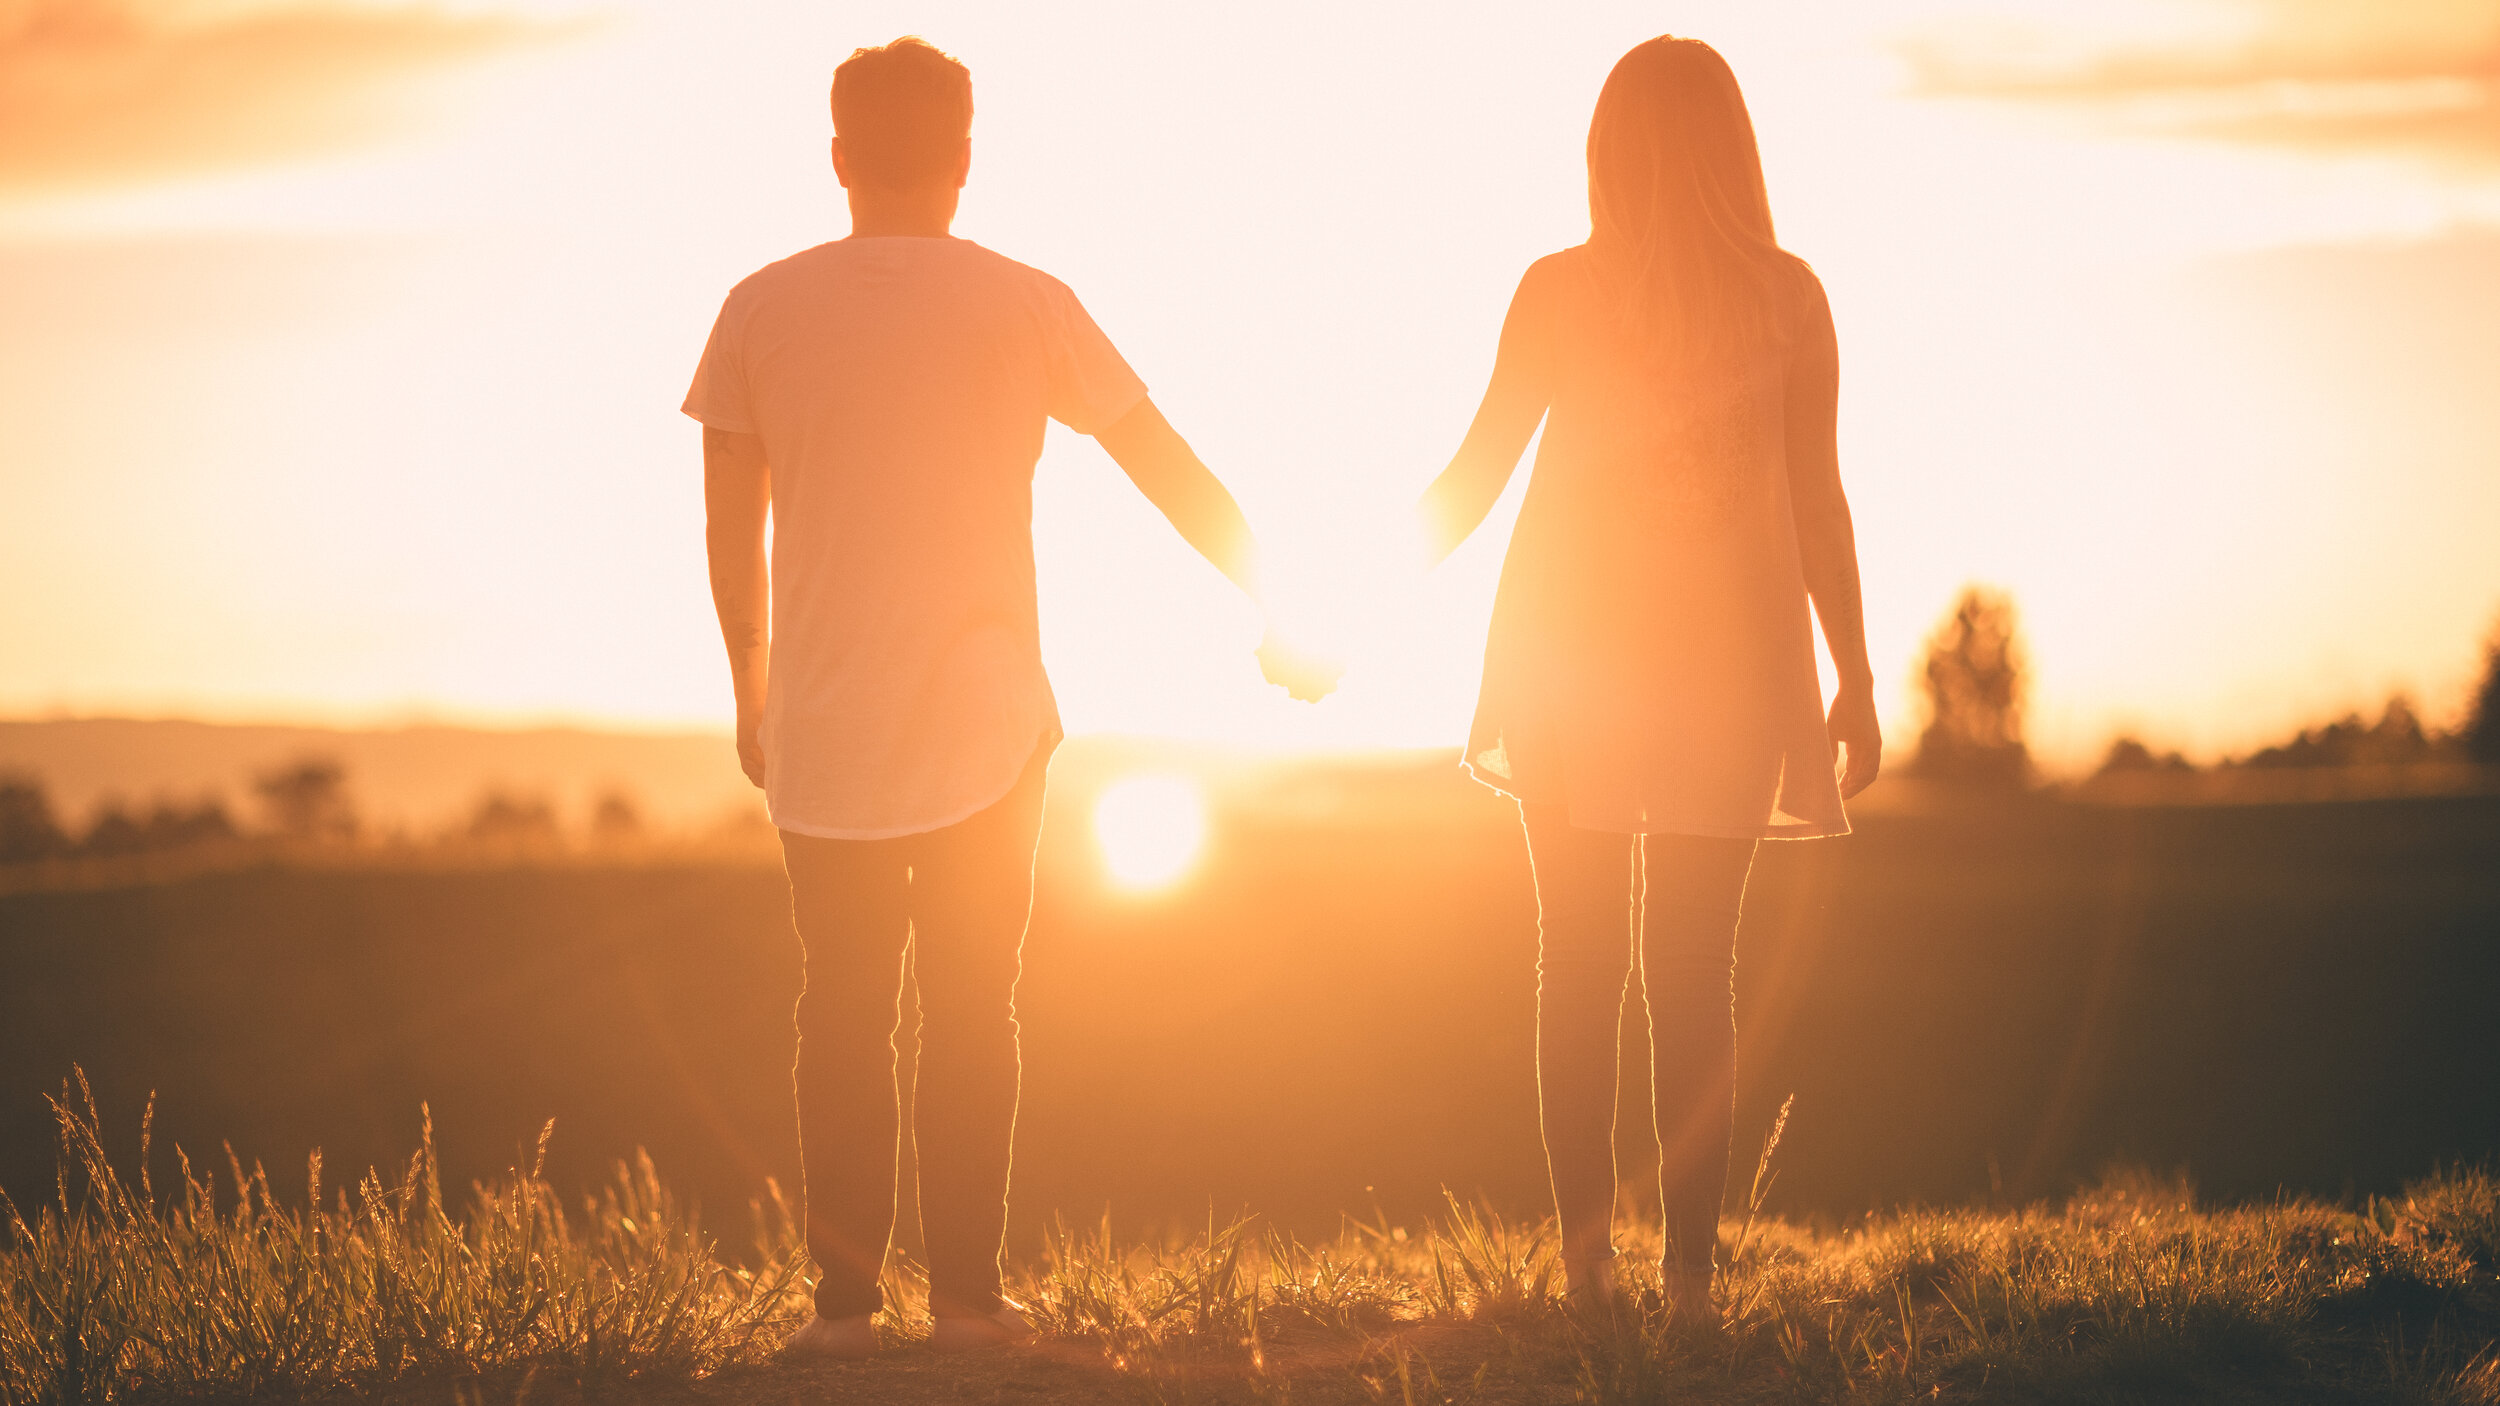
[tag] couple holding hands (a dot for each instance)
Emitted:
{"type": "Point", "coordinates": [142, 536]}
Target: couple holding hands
{"type": "Point", "coordinates": [1650, 695]}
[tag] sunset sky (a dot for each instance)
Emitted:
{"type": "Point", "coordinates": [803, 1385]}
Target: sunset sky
{"type": "Point", "coordinates": [341, 343]}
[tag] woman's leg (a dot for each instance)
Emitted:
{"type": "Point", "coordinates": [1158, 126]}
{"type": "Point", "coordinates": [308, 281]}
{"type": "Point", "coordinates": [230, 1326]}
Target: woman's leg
{"type": "Point", "coordinates": [1584, 955]}
{"type": "Point", "coordinates": [1693, 889]}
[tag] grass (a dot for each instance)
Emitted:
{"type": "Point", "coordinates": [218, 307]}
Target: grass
{"type": "Point", "coordinates": [218, 1288]}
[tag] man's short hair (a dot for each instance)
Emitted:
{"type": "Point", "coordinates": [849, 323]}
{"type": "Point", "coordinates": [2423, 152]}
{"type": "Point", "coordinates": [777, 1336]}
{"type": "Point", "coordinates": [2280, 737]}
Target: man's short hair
{"type": "Point", "coordinates": [902, 111]}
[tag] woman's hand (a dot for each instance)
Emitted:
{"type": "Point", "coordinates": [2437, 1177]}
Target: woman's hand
{"type": "Point", "coordinates": [1857, 740]}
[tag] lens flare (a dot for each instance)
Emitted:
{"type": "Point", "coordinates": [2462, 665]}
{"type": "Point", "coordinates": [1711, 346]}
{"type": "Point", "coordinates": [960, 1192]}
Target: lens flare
{"type": "Point", "coordinates": [1150, 828]}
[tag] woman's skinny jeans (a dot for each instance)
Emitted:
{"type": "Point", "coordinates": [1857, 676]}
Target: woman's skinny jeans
{"type": "Point", "coordinates": [1677, 897]}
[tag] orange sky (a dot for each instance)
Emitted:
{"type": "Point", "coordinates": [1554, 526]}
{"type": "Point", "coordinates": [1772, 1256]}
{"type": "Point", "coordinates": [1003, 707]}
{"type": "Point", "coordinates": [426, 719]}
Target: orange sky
{"type": "Point", "coordinates": [340, 343]}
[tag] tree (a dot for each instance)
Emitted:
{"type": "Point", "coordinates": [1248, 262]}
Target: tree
{"type": "Point", "coordinates": [2482, 726]}
{"type": "Point", "coordinates": [307, 799]}
{"type": "Point", "coordinates": [27, 827]}
{"type": "Point", "coordinates": [1975, 694]}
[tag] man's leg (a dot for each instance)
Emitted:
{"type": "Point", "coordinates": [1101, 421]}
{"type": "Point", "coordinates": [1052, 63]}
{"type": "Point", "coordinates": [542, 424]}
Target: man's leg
{"type": "Point", "coordinates": [971, 893]}
{"type": "Point", "coordinates": [848, 897]}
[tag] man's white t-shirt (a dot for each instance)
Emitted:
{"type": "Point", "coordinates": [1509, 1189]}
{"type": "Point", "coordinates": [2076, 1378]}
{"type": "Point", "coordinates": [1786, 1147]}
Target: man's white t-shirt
{"type": "Point", "coordinates": [900, 386]}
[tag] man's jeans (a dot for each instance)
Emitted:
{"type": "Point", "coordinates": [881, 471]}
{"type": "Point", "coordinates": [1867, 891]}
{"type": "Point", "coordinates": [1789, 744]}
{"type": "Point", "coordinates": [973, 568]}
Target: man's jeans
{"type": "Point", "coordinates": [953, 904]}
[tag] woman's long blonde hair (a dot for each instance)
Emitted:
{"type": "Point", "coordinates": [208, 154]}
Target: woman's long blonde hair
{"type": "Point", "coordinates": [1678, 219]}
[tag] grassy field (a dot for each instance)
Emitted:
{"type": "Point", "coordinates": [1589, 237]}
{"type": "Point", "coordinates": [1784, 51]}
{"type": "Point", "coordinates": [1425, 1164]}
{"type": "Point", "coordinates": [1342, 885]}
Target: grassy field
{"type": "Point", "coordinates": [220, 1287]}
{"type": "Point", "coordinates": [1976, 1007]}
{"type": "Point", "coordinates": [1973, 1006]}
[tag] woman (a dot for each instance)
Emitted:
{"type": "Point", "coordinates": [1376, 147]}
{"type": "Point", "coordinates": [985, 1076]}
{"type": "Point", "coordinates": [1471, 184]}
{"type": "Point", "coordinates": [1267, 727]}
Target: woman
{"type": "Point", "coordinates": [1649, 695]}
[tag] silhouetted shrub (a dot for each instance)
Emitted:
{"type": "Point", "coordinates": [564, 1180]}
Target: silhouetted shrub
{"type": "Point", "coordinates": [116, 830]}
{"type": "Point", "coordinates": [615, 819]}
{"type": "Point", "coordinates": [2129, 754]}
{"type": "Point", "coordinates": [307, 799]}
{"type": "Point", "coordinates": [1975, 693]}
{"type": "Point", "coordinates": [506, 819]}
{"type": "Point", "coordinates": [113, 832]}
{"type": "Point", "coordinates": [172, 826]}
{"type": "Point", "coordinates": [27, 829]}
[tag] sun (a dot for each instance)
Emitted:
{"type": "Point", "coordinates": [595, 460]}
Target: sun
{"type": "Point", "coordinates": [1150, 829]}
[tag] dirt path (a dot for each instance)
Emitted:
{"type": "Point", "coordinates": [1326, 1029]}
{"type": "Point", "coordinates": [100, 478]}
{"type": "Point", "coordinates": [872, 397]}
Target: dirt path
{"type": "Point", "coordinates": [1441, 1364]}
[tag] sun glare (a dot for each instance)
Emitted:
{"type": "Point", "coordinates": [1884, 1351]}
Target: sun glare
{"type": "Point", "coordinates": [1150, 828]}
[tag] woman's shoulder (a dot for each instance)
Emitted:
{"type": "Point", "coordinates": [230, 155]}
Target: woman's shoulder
{"type": "Point", "coordinates": [1806, 288]}
{"type": "Point", "coordinates": [1558, 269]}
{"type": "Point", "coordinates": [1809, 313]}
{"type": "Point", "coordinates": [1554, 284]}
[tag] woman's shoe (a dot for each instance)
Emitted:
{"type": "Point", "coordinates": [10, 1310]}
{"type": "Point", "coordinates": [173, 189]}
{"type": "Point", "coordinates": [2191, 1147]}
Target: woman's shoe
{"type": "Point", "coordinates": [1590, 1293]}
{"type": "Point", "coordinates": [1687, 1294]}
{"type": "Point", "coordinates": [823, 1339]}
{"type": "Point", "coordinates": [1003, 1328]}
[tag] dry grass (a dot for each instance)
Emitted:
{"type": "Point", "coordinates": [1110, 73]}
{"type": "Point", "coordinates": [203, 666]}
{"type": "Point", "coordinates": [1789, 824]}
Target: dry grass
{"type": "Point", "coordinates": [219, 1289]}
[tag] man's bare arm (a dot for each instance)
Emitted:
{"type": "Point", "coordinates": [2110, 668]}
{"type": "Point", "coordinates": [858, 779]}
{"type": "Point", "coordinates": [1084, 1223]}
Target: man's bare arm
{"type": "Point", "coordinates": [1168, 472]}
{"type": "Point", "coordinates": [737, 499]}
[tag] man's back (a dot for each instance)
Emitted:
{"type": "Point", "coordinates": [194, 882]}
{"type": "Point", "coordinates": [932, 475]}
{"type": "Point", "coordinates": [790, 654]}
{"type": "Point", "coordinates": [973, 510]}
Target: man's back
{"type": "Point", "coordinates": [899, 387]}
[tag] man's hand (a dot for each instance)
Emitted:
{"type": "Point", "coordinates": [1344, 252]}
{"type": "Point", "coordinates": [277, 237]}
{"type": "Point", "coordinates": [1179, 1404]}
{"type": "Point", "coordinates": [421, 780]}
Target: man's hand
{"type": "Point", "coordinates": [1304, 676]}
{"type": "Point", "coordinates": [1857, 740]}
{"type": "Point", "coordinates": [737, 502]}
{"type": "Point", "coordinates": [751, 744]}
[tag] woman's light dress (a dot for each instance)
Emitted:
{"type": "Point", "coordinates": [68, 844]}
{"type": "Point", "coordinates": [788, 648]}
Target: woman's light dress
{"type": "Point", "coordinates": [1651, 658]}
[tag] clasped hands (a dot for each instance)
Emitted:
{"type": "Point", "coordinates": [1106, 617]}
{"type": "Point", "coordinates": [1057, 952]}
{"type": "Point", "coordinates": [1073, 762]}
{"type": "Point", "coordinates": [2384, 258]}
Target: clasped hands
{"type": "Point", "coordinates": [1304, 674]}
{"type": "Point", "coordinates": [1333, 592]}
{"type": "Point", "coordinates": [1313, 627]}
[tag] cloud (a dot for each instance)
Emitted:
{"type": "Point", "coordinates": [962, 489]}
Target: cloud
{"type": "Point", "coordinates": [2421, 76]}
{"type": "Point", "coordinates": [113, 92]}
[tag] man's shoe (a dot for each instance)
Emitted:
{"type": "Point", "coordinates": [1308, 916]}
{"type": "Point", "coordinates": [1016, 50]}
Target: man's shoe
{"type": "Point", "coordinates": [1005, 1327]}
{"type": "Point", "coordinates": [832, 1340]}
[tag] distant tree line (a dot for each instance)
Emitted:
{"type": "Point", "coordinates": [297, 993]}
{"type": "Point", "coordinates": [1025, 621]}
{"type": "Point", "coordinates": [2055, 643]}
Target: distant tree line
{"type": "Point", "coordinates": [30, 830]}
{"type": "Point", "coordinates": [305, 801]}
{"type": "Point", "coordinates": [1975, 678]}
{"type": "Point", "coordinates": [1975, 682]}
{"type": "Point", "coordinates": [2398, 738]}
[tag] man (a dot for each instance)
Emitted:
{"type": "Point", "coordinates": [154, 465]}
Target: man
{"type": "Point", "coordinates": [883, 398]}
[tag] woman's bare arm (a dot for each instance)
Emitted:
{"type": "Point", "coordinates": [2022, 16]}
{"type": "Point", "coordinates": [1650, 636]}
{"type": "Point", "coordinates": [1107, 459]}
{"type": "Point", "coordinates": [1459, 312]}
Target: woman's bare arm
{"type": "Point", "coordinates": [737, 498]}
{"type": "Point", "coordinates": [1827, 540]}
{"type": "Point", "coordinates": [1514, 402]}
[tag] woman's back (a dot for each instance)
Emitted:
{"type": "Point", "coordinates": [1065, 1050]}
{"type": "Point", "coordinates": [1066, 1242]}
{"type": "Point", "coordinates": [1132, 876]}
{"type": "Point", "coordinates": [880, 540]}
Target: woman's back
{"type": "Point", "coordinates": [1686, 447]}
{"type": "Point", "coordinates": [1651, 660]}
